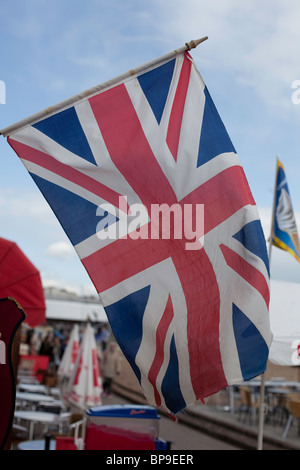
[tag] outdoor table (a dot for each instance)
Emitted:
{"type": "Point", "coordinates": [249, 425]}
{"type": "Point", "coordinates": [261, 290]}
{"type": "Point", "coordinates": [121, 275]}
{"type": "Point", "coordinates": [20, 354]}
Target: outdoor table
{"type": "Point", "coordinates": [38, 444]}
{"type": "Point", "coordinates": [29, 379]}
{"type": "Point", "coordinates": [281, 394]}
{"type": "Point", "coordinates": [33, 397]}
{"type": "Point", "coordinates": [34, 417]}
{"type": "Point", "coordinates": [281, 391]}
{"type": "Point", "coordinates": [282, 383]}
{"type": "Point", "coordinates": [270, 383]}
{"type": "Point", "coordinates": [33, 388]}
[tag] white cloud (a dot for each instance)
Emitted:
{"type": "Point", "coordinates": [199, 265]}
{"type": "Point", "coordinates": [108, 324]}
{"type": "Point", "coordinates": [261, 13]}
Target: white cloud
{"type": "Point", "coordinates": [256, 41]}
{"type": "Point", "coordinates": [60, 250]}
{"type": "Point", "coordinates": [25, 203]}
{"type": "Point", "coordinates": [53, 281]}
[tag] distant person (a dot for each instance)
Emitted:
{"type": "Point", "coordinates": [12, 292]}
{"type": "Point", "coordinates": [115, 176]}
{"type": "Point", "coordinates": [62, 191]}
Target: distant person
{"type": "Point", "coordinates": [47, 344]}
{"type": "Point", "coordinates": [103, 337]}
{"type": "Point", "coordinates": [110, 367]}
{"type": "Point", "coordinates": [56, 353]}
{"type": "Point", "coordinates": [35, 343]}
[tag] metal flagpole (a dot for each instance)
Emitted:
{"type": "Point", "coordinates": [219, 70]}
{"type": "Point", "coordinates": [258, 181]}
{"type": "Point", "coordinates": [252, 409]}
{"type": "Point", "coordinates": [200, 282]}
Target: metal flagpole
{"type": "Point", "coordinates": [96, 89]}
{"type": "Point", "coordinates": [262, 384]}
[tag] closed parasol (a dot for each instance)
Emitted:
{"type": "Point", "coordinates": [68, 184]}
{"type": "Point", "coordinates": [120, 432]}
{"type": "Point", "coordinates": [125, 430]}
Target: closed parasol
{"type": "Point", "coordinates": [85, 386]}
{"type": "Point", "coordinates": [68, 361]}
{"type": "Point", "coordinates": [20, 279]}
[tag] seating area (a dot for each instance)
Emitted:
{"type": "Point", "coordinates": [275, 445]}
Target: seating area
{"type": "Point", "coordinates": [293, 408]}
{"type": "Point", "coordinates": [40, 410]}
{"type": "Point", "coordinates": [281, 404]}
{"type": "Point", "coordinates": [249, 405]}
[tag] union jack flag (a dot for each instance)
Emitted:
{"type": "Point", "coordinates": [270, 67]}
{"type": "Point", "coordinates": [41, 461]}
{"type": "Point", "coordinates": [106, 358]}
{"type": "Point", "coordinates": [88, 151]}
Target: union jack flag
{"type": "Point", "coordinates": [190, 322]}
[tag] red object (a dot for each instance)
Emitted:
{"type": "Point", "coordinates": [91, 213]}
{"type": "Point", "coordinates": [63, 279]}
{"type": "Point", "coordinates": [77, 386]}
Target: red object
{"type": "Point", "coordinates": [110, 438]}
{"type": "Point", "coordinates": [38, 363]}
{"type": "Point", "coordinates": [65, 443]}
{"type": "Point", "coordinates": [20, 279]}
{"type": "Point", "coordinates": [11, 317]}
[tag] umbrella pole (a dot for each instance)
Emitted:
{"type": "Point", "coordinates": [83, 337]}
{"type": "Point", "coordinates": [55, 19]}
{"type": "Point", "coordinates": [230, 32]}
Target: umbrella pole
{"type": "Point", "coordinates": [262, 384]}
{"type": "Point", "coordinates": [261, 413]}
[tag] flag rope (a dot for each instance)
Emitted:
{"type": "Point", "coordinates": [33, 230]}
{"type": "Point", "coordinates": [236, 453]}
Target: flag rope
{"type": "Point", "coordinates": [96, 89]}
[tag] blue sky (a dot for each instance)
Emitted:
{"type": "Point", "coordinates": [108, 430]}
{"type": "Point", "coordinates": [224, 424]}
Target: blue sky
{"type": "Point", "coordinates": [53, 50]}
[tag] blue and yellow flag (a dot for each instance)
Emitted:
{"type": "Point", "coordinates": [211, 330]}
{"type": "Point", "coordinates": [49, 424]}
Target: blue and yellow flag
{"type": "Point", "coordinates": [285, 233]}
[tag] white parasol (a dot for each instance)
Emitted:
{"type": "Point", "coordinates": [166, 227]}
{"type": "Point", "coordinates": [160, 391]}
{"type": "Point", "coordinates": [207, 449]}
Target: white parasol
{"type": "Point", "coordinates": [68, 361]}
{"type": "Point", "coordinates": [85, 385]}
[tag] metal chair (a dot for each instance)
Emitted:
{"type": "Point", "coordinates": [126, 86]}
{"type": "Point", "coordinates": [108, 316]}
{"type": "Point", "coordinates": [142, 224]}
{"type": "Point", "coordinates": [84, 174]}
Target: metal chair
{"type": "Point", "coordinates": [249, 405]}
{"type": "Point", "coordinates": [55, 393]}
{"type": "Point", "coordinates": [294, 412]}
{"type": "Point", "coordinates": [56, 407]}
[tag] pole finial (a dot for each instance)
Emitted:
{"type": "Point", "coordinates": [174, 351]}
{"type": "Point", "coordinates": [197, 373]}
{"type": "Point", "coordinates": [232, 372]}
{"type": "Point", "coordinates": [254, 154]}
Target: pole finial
{"type": "Point", "coordinates": [194, 43]}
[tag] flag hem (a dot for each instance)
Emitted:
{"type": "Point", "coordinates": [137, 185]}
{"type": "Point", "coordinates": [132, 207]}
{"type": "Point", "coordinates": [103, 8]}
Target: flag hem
{"type": "Point", "coordinates": [280, 244]}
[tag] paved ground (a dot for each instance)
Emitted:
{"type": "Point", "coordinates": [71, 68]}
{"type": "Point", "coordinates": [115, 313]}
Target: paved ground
{"type": "Point", "coordinates": [181, 436]}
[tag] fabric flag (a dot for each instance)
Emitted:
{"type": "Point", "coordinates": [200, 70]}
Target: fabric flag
{"type": "Point", "coordinates": [284, 233]}
{"type": "Point", "coordinates": [68, 360]}
{"type": "Point", "coordinates": [186, 296]}
{"type": "Point", "coordinates": [85, 386]}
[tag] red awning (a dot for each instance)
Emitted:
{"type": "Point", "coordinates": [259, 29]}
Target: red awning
{"type": "Point", "coordinates": [20, 279]}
